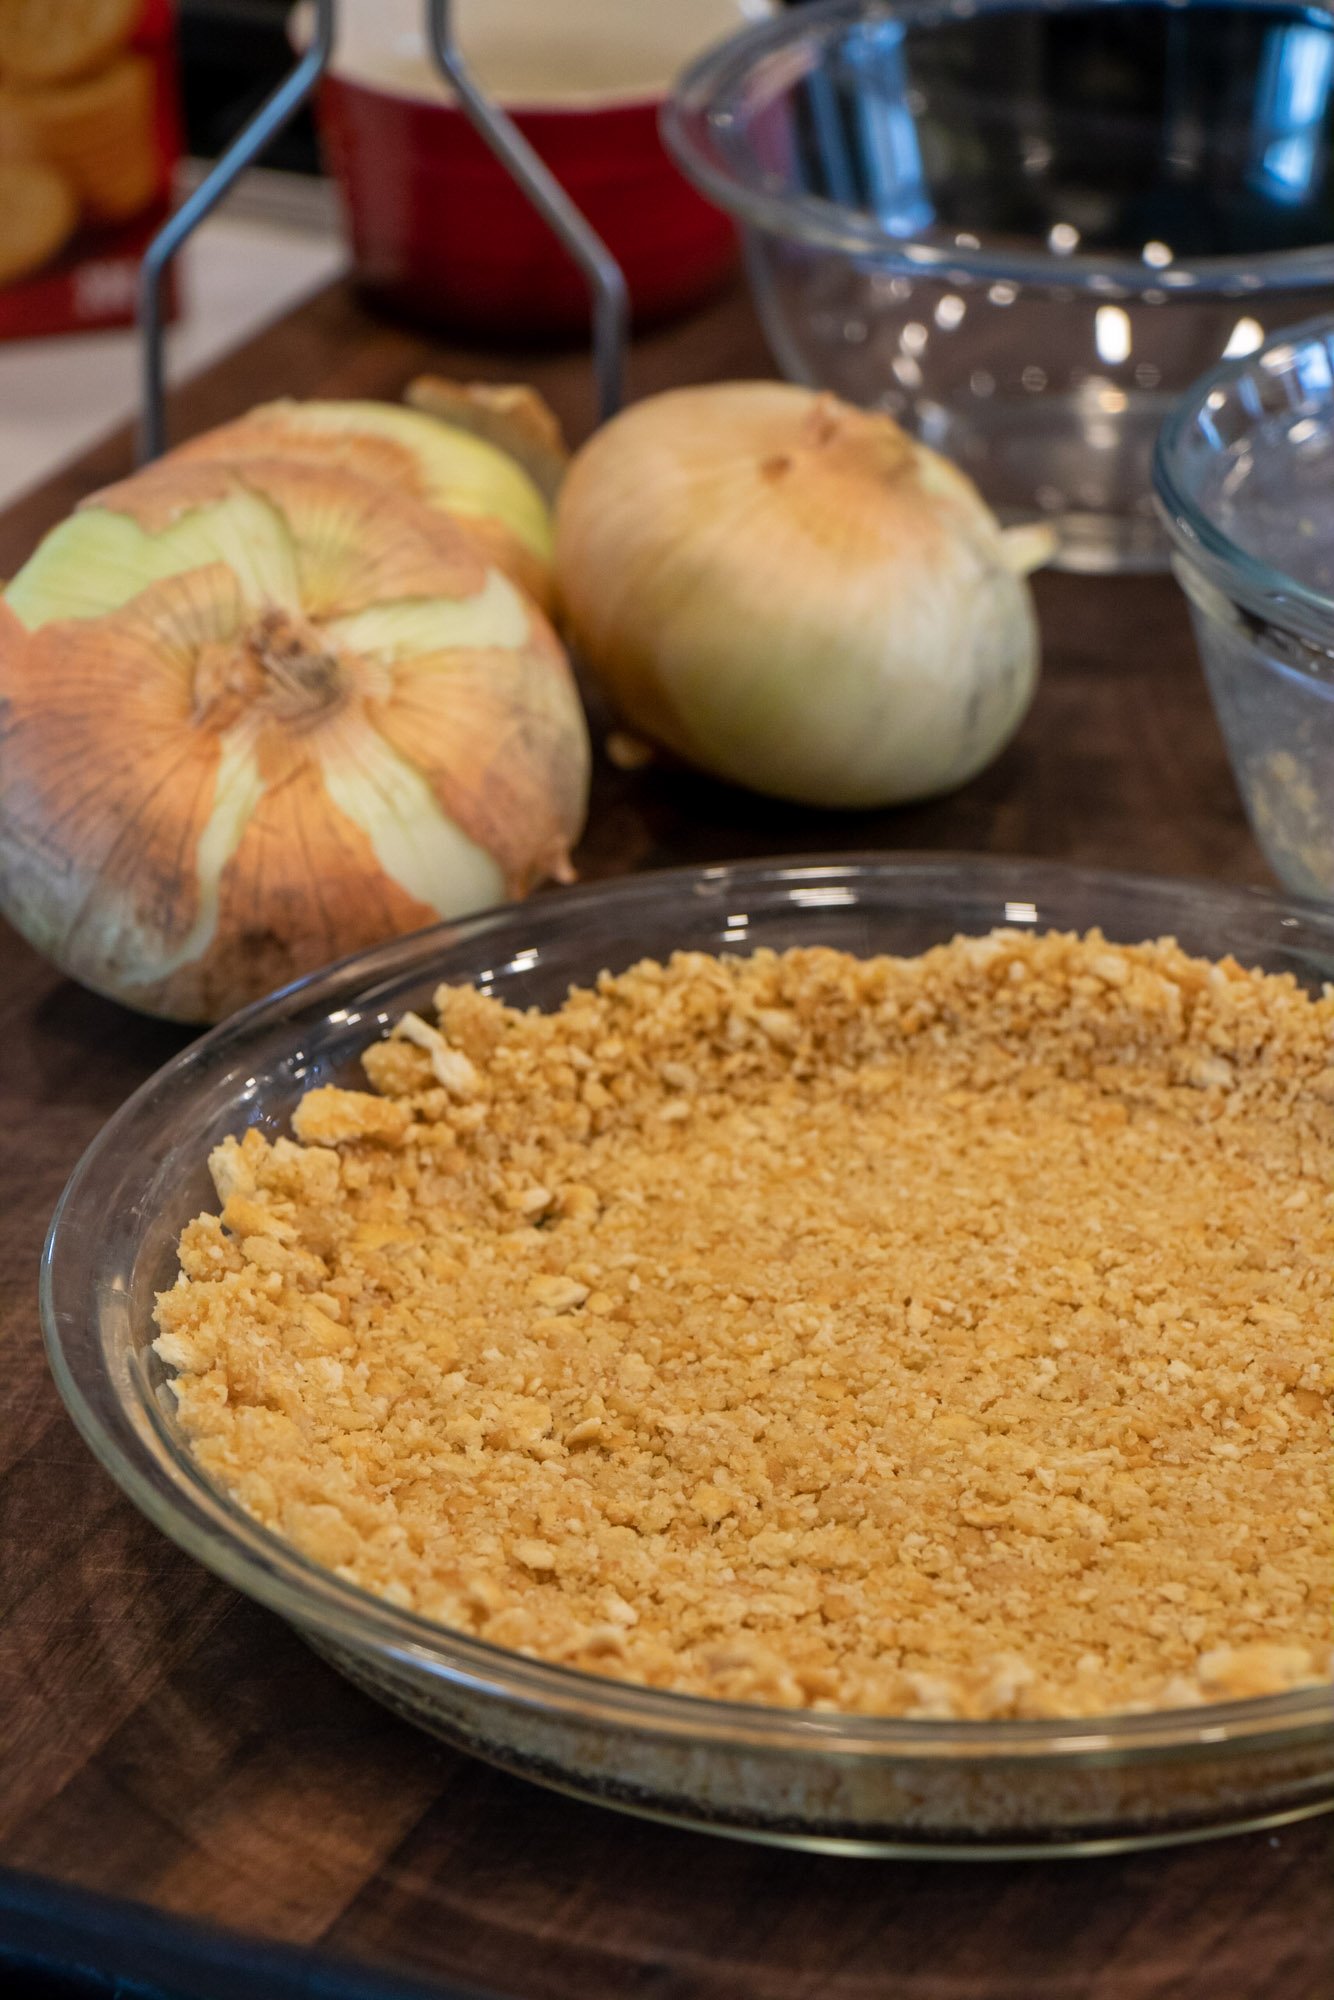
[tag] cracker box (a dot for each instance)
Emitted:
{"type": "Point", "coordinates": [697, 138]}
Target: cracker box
{"type": "Point", "coordinates": [89, 134]}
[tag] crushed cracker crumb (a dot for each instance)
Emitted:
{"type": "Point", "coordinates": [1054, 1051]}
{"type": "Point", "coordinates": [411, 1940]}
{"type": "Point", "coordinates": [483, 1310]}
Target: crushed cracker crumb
{"type": "Point", "coordinates": [940, 1337]}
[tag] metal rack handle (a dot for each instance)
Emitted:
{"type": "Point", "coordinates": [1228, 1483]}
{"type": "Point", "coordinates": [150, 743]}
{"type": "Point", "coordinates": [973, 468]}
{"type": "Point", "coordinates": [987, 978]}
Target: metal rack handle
{"type": "Point", "coordinates": [606, 281]}
{"type": "Point", "coordinates": [249, 142]}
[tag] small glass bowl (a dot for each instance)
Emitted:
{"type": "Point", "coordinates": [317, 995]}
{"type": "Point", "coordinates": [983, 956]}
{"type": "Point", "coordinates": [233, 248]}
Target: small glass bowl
{"type": "Point", "coordinates": [1245, 481]}
{"type": "Point", "coordinates": [841, 1783]}
{"type": "Point", "coordinates": [1025, 226]}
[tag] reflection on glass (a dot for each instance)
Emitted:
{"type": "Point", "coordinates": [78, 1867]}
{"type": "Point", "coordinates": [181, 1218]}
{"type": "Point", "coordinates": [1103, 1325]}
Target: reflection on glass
{"type": "Point", "coordinates": [1161, 130]}
{"type": "Point", "coordinates": [1111, 334]}
{"type": "Point", "coordinates": [887, 129]}
{"type": "Point", "coordinates": [1292, 102]}
{"type": "Point", "coordinates": [860, 131]}
{"type": "Point", "coordinates": [1244, 338]}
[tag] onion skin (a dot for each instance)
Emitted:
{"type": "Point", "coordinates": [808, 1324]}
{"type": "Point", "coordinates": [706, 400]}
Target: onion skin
{"type": "Point", "coordinates": [322, 721]}
{"type": "Point", "coordinates": [794, 595]}
{"type": "Point", "coordinates": [510, 415]}
{"type": "Point", "coordinates": [479, 485]}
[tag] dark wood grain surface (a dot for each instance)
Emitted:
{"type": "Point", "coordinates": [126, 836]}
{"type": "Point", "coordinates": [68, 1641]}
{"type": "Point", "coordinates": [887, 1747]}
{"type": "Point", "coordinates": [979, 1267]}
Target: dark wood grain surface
{"type": "Point", "coordinates": [163, 1740]}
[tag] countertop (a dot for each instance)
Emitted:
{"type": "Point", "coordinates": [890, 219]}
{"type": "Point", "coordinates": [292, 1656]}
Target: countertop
{"type": "Point", "coordinates": [275, 242]}
{"type": "Point", "coordinates": [169, 1746]}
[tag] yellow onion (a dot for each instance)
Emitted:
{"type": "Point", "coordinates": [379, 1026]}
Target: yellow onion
{"type": "Point", "coordinates": [509, 414]}
{"type": "Point", "coordinates": [253, 717]}
{"type": "Point", "coordinates": [480, 483]}
{"type": "Point", "coordinates": [795, 595]}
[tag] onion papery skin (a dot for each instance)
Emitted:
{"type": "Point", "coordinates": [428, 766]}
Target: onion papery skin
{"type": "Point", "coordinates": [254, 717]}
{"type": "Point", "coordinates": [795, 595]}
{"type": "Point", "coordinates": [480, 486]}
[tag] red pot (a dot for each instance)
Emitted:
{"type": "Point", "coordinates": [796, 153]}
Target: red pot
{"type": "Point", "coordinates": [439, 229]}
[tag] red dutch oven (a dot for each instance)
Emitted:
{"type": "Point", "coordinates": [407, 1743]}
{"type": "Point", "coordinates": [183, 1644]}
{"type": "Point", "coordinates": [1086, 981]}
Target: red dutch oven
{"type": "Point", "coordinates": [438, 229]}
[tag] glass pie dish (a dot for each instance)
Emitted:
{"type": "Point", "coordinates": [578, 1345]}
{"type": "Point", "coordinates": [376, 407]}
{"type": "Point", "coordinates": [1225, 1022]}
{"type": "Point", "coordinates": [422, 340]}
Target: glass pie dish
{"type": "Point", "coordinates": [842, 1783]}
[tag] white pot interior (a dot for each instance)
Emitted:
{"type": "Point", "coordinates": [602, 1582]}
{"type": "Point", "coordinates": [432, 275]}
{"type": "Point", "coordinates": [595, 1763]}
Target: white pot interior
{"type": "Point", "coordinates": [531, 53]}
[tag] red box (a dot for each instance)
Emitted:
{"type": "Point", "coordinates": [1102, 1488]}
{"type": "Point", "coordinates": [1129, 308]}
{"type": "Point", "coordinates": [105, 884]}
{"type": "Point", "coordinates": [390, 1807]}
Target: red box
{"type": "Point", "coordinates": [89, 136]}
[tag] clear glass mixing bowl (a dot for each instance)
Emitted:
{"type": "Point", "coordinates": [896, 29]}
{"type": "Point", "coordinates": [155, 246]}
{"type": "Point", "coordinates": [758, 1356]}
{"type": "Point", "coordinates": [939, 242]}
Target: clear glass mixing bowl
{"type": "Point", "coordinates": [838, 1782]}
{"type": "Point", "coordinates": [1245, 480]}
{"type": "Point", "coordinates": [1024, 227]}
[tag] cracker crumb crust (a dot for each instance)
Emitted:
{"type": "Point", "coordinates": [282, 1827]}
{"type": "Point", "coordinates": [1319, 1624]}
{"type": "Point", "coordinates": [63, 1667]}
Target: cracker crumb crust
{"type": "Point", "coordinates": [936, 1337]}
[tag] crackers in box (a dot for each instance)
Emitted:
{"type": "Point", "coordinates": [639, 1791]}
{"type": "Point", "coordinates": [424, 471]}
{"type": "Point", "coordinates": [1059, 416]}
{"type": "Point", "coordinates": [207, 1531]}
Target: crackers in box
{"type": "Point", "coordinates": [88, 139]}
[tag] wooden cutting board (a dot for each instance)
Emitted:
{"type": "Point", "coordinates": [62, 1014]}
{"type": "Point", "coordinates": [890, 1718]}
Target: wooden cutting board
{"type": "Point", "coordinates": [162, 1740]}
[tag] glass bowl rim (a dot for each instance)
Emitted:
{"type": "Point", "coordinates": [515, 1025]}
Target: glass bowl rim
{"type": "Point", "coordinates": [702, 88]}
{"type": "Point", "coordinates": [1260, 586]}
{"type": "Point", "coordinates": [217, 1532]}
